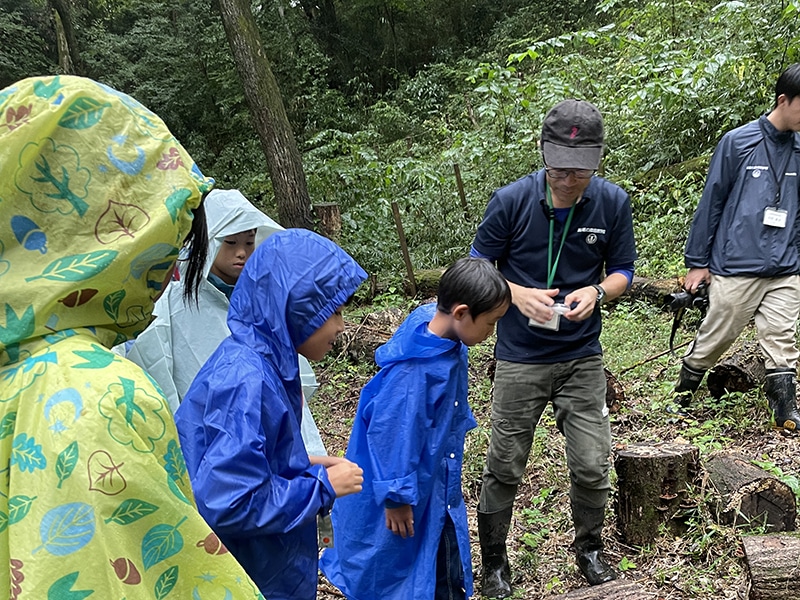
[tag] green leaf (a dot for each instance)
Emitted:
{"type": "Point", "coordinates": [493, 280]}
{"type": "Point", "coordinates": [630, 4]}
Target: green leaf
{"type": "Point", "coordinates": [174, 462]}
{"type": "Point", "coordinates": [77, 267]}
{"type": "Point", "coordinates": [83, 113]}
{"type": "Point", "coordinates": [7, 425]}
{"type": "Point", "coordinates": [66, 462]}
{"type": "Point", "coordinates": [3, 521]}
{"type": "Point", "coordinates": [161, 542]}
{"type": "Point", "coordinates": [27, 454]}
{"type": "Point", "coordinates": [111, 303]}
{"type": "Point", "coordinates": [46, 90]}
{"type": "Point", "coordinates": [18, 508]}
{"type": "Point", "coordinates": [131, 510]}
{"type": "Point", "coordinates": [166, 581]}
{"type": "Point", "coordinates": [62, 589]}
{"type": "Point", "coordinates": [175, 202]}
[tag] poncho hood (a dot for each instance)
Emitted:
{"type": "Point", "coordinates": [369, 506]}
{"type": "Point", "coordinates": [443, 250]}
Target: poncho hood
{"type": "Point", "coordinates": [296, 273]}
{"type": "Point", "coordinates": [96, 198]}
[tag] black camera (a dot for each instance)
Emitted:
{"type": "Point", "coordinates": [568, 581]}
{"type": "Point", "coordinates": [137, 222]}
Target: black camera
{"type": "Point", "coordinates": [684, 299]}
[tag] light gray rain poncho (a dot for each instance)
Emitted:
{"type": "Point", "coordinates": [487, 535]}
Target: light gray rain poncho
{"type": "Point", "coordinates": [182, 337]}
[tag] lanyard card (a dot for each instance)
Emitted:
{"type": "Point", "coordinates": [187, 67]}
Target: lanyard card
{"type": "Point", "coordinates": [774, 217]}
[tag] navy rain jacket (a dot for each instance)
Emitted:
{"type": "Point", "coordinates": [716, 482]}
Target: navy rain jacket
{"type": "Point", "coordinates": [728, 234]}
{"type": "Point", "coordinates": [239, 422]}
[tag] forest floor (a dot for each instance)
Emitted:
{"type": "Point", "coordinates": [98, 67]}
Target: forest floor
{"type": "Point", "coordinates": [694, 558]}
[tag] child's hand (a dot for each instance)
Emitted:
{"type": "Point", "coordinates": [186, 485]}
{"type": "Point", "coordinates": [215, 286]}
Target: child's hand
{"type": "Point", "coordinates": [400, 520]}
{"type": "Point", "coordinates": [346, 477]}
{"type": "Point", "coordinates": [326, 460]}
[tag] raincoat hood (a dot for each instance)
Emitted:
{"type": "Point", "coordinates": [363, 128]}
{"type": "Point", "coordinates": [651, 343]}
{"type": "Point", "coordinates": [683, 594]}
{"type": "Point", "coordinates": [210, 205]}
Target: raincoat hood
{"type": "Point", "coordinates": [96, 198]}
{"type": "Point", "coordinates": [228, 212]}
{"type": "Point", "coordinates": [405, 344]}
{"type": "Point", "coordinates": [296, 273]}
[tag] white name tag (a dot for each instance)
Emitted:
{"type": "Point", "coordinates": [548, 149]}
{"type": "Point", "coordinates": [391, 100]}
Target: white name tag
{"type": "Point", "coordinates": [774, 217]}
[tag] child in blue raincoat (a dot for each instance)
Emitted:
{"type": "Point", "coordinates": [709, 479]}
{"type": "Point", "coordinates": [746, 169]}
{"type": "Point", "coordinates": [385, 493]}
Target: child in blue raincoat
{"type": "Point", "coordinates": [405, 536]}
{"type": "Point", "coordinates": [239, 423]}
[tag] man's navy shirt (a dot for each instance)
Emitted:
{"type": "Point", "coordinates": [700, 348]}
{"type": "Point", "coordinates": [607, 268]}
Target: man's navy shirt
{"type": "Point", "coordinates": [515, 232]}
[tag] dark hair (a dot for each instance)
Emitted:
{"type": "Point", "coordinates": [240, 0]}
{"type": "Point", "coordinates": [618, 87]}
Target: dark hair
{"type": "Point", "coordinates": [197, 243]}
{"type": "Point", "coordinates": [788, 83]}
{"type": "Point", "coordinates": [474, 282]}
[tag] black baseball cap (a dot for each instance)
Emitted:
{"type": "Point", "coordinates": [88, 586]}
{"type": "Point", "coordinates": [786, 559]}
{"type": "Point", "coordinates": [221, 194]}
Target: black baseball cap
{"type": "Point", "coordinates": [572, 135]}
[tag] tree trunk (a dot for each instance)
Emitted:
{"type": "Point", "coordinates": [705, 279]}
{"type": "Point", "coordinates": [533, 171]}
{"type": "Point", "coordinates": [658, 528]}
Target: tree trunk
{"type": "Point", "coordinates": [613, 590]}
{"type": "Point", "coordinates": [70, 60]}
{"type": "Point", "coordinates": [739, 370]}
{"type": "Point", "coordinates": [652, 483]}
{"type": "Point", "coordinates": [772, 561]}
{"type": "Point", "coordinates": [262, 93]}
{"type": "Point", "coordinates": [748, 494]}
{"type": "Point", "coordinates": [653, 290]}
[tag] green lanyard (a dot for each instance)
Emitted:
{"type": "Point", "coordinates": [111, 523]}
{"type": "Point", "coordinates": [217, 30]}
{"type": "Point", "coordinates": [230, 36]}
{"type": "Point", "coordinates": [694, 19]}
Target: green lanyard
{"type": "Point", "coordinates": [551, 266]}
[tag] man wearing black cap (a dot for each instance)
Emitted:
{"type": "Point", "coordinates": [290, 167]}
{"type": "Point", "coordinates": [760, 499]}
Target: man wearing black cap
{"type": "Point", "coordinates": [554, 234]}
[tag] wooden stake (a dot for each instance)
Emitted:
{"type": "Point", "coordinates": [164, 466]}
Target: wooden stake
{"type": "Point", "coordinates": [461, 194]}
{"type": "Point", "coordinates": [404, 247]}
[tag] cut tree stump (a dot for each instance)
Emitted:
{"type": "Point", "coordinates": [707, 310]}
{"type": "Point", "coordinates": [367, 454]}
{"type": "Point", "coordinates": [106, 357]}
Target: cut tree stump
{"type": "Point", "coordinates": [748, 494]}
{"type": "Point", "coordinates": [653, 290]}
{"type": "Point", "coordinates": [652, 484]}
{"type": "Point", "coordinates": [773, 562]}
{"type": "Point", "coordinates": [619, 589]}
{"type": "Point", "coordinates": [329, 219]}
{"type": "Point", "coordinates": [740, 369]}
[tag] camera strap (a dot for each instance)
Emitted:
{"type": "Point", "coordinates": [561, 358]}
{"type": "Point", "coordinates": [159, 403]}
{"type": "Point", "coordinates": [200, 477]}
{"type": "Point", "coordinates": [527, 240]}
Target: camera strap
{"type": "Point", "coordinates": [676, 322]}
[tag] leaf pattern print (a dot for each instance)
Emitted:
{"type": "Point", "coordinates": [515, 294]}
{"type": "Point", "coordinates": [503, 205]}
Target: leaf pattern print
{"type": "Point", "coordinates": [166, 581]}
{"type": "Point", "coordinates": [98, 357]}
{"type": "Point", "coordinates": [47, 90]}
{"type": "Point", "coordinates": [77, 267]}
{"type": "Point", "coordinates": [7, 425]}
{"type": "Point", "coordinates": [119, 220]}
{"type": "Point", "coordinates": [3, 521]}
{"type": "Point", "coordinates": [18, 508]}
{"type": "Point", "coordinates": [175, 202]}
{"type": "Point", "coordinates": [176, 491]}
{"type": "Point", "coordinates": [66, 528]}
{"type": "Point", "coordinates": [133, 415]}
{"type": "Point", "coordinates": [111, 303]}
{"type": "Point", "coordinates": [130, 511]}
{"type": "Point", "coordinates": [17, 577]}
{"type": "Point", "coordinates": [66, 461]}
{"type": "Point", "coordinates": [62, 188]}
{"type": "Point", "coordinates": [62, 589]}
{"type": "Point", "coordinates": [27, 454]}
{"type": "Point", "coordinates": [104, 474]}
{"type": "Point", "coordinates": [83, 113]}
{"type": "Point", "coordinates": [174, 462]}
{"type": "Point", "coordinates": [161, 542]}
{"type": "Point", "coordinates": [17, 327]}
{"type": "Point", "coordinates": [154, 255]}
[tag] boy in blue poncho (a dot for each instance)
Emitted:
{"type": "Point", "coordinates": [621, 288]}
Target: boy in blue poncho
{"type": "Point", "coordinates": [405, 536]}
{"type": "Point", "coordinates": [239, 422]}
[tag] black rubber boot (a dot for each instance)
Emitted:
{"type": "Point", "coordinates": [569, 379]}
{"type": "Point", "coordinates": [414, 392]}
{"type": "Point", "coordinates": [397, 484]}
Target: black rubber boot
{"type": "Point", "coordinates": [492, 531]}
{"type": "Point", "coordinates": [780, 389]}
{"type": "Point", "coordinates": [688, 382]}
{"type": "Point", "coordinates": [588, 544]}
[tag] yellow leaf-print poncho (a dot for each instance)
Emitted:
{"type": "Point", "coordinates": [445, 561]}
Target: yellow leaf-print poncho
{"type": "Point", "coordinates": [96, 197]}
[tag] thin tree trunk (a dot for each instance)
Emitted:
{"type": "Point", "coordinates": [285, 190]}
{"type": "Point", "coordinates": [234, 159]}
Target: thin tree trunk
{"type": "Point", "coordinates": [264, 98]}
{"type": "Point", "coordinates": [70, 60]}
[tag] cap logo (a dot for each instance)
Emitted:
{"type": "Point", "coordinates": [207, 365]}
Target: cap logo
{"type": "Point", "coordinates": [573, 133]}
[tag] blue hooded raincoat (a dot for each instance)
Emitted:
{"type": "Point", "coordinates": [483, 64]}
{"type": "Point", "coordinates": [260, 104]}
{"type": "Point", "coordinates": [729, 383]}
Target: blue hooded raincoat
{"type": "Point", "coordinates": [239, 422]}
{"type": "Point", "coordinates": [408, 436]}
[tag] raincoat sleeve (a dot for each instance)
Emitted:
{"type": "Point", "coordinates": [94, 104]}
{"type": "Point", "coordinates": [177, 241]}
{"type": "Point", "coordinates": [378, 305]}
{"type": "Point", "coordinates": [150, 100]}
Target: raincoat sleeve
{"type": "Point", "coordinates": [398, 433]}
{"type": "Point", "coordinates": [252, 479]}
{"type": "Point", "coordinates": [721, 177]}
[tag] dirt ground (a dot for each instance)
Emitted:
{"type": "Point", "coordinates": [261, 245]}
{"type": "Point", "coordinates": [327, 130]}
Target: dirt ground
{"type": "Point", "coordinates": [696, 559]}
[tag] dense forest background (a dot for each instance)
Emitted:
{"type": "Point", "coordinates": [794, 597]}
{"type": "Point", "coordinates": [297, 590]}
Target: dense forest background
{"type": "Point", "coordinates": [385, 96]}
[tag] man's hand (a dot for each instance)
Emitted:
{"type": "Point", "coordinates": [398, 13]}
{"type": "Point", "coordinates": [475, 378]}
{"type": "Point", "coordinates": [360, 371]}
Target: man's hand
{"type": "Point", "coordinates": [533, 302]}
{"type": "Point", "coordinates": [400, 521]}
{"type": "Point", "coordinates": [694, 277]}
{"type": "Point", "coordinates": [585, 298]}
{"type": "Point", "coordinates": [346, 477]}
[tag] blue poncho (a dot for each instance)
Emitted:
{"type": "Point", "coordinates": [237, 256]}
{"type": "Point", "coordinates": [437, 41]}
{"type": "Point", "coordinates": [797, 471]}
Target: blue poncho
{"type": "Point", "coordinates": [239, 422]}
{"type": "Point", "coordinates": [408, 436]}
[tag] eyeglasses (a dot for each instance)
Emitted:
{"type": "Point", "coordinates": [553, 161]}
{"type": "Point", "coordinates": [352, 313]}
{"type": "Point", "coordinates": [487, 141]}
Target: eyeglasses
{"type": "Point", "coordinates": [564, 173]}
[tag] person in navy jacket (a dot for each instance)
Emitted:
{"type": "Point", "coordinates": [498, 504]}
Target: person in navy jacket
{"type": "Point", "coordinates": [563, 238]}
{"type": "Point", "coordinates": [743, 245]}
